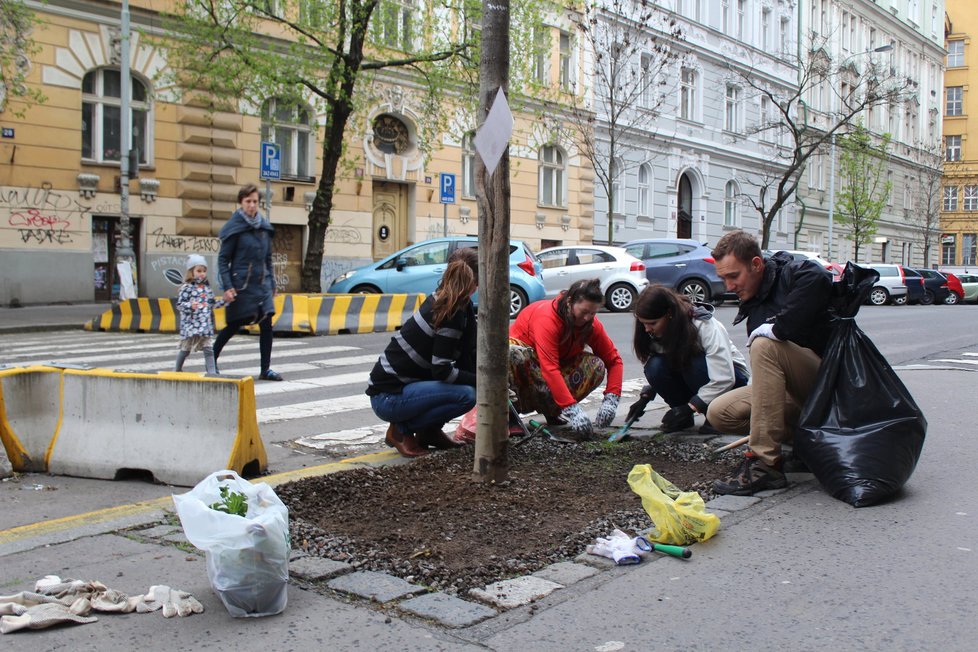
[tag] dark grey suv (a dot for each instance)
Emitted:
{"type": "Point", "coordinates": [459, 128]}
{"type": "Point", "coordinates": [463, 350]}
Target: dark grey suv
{"type": "Point", "coordinates": [684, 265]}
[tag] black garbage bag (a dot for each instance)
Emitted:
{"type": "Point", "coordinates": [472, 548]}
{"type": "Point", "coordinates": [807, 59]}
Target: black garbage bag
{"type": "Point", "coordinates": [860, 432]}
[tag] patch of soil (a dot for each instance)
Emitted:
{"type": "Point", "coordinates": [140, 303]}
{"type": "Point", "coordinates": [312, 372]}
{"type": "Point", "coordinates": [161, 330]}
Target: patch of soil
{"type": "Point", "coordinates": [429, 523]}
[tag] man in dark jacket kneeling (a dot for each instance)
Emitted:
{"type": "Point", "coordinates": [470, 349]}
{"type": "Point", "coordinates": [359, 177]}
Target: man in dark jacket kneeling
{"type": "Point", "coordinates": [785, 303]}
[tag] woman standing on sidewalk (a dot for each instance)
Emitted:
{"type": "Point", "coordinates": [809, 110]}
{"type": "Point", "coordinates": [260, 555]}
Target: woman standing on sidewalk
{"type": "Point", "coordinates": [426, 376]}
{"type": "Point", "coordinates": [688, 356]}
{"type": "Point", "coordinates": [245, 268]}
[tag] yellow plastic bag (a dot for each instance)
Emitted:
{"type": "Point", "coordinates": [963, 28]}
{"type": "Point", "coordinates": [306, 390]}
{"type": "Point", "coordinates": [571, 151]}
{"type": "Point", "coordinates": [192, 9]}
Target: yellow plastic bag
{"type": "Point", "coordinates": [680, 517]}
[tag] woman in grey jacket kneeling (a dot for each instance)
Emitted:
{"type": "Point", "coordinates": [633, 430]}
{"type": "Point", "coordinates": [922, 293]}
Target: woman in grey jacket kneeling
{"type": "Point", "coordinates": [688, 356]}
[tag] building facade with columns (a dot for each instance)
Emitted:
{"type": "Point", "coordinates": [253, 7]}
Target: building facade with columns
{"type": "Point", "coordinates": [693, 172]}
{"type": "Point", "coordinates": [60, 168]}
{"type": "Point", "coordinates": [912, 33]}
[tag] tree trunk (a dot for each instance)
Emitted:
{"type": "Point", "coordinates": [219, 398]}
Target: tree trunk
{"type": "Point", "coordinates": [342, 80]}
{"type": "Point", "coordinates": [491, 462]}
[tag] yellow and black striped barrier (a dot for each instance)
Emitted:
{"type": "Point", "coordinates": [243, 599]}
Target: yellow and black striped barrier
{"type": "Point", "coordinates": [308, 314]}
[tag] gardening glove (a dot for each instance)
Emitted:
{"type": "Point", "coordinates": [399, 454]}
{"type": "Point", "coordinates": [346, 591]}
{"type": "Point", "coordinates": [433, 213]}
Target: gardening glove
{"type": "Point", "coordinates": [577, 420]}
{"type": "Point", "coordinates": [172, 601]}
{"type": "Point", "coordinates": [677, 415]}
{"type": "Point", "coordinates": [764, 330]}
{"type": "Point", "coordinates": [42, 616]}
{"type": "Point", "coordinates": [618, 547]}
{"type": "Point", "coordinates": [607, 411]}
{"type": "Point", "coordinates": [637, 408]}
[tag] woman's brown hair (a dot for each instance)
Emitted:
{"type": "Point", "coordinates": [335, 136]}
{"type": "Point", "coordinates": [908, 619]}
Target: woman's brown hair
{"type": "Point", "coordinates": [457, 284]}
{"type": "Point", "coordinates": [681, 342]}
{"type": "Point", "coordinates": [583, 290]}
{"type": "Point", "coordinates": [246, 190]}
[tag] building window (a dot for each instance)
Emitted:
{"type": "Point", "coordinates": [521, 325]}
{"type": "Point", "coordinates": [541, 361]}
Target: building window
{"type": "Point", "coordinates": [968, 248]}
{"type": "Point", "coordinates": [955, 53]}
{"type": "Point", "coordinates": [785, 35]}
{"type": "Point", "coordinates": [615, 183]}
{"type": "Point", "coordinates": [102, 117]}
{"type": "Point", "coordinates": [647, 82]}
{"type": "Point", "coordinates": [645, 190]}
{"type": "Point", "coordinates": [290, 125]}
{"type": "Point", "coordinates": [846, 38]}
{"type": "Point", "coordinates": [952, 148]}
{"type": "Point", "coordinates": [468, 165]}
{"type": "Point", "coordinates": [730, 217]}
{"type": "Point", "coordinates": [566, 78]}
{"type": "Point", "coordinates": [947, 251]}
{"type": "Point", "coordinates": [541, 42]}
{"type": "Point", "coordinates": [312, 13]}
{"type": "Point", "coordinates": [741, 19]}
{"type": "Point", "coordinates": [765, 29]}
{"type": "Point", "coordinates": [688, 8]}
{"type": "Point", "coordinates": [687, 94]}
{"type": "Point", "coordinates": [551, 176]}
{"type": "Point", "coordinates": [394, 24]}
{"type": "Point", "coordinates": [950, 198]}
{"type": "Point", "coordinates": [955, 100]}
{"type": "Point", "coordinates": [971, 198]}
{"type": "Point", "coordinates": [731, 114]}
{"type": "Point", "coordinates": [725, 16]}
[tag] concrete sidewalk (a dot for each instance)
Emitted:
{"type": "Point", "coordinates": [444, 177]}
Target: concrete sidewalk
{"type": "Point", "coordinates": [56, 317]}
{"type": "Point", "coordinates": [794, 569]}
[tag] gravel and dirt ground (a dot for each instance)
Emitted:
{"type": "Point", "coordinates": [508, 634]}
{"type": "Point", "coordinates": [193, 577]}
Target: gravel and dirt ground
{"type": "Point", "coordinates": [429, 523]}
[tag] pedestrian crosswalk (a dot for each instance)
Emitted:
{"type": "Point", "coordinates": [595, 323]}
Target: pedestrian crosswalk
{"type": "Point", "coordinates": [967, 360]}
{"type": "Point", "coordinates": [320, 405]}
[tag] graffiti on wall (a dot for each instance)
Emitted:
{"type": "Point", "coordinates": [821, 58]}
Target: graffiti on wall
{"type": "Point", "coordinates": [42, 216]}
{"type": "Point", "coordinates": [188, 243]}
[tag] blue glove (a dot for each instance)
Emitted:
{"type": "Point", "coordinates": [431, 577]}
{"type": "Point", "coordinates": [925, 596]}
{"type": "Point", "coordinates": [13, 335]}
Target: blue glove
{"type": "Point", "coordinates": [607, 411]}
{"type": "Point", "coordinates": [764, 330]}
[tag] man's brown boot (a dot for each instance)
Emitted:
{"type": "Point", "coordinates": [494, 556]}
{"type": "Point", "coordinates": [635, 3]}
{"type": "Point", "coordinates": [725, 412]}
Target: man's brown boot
{"type": "Point", "coordinates": [406, 445]}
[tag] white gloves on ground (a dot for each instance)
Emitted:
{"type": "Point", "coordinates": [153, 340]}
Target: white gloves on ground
{"type": "Point", "coordinates": [620, 548]}
{"type": "Point", "coordinates": [577, 420]}
{"type": "Point", "coordinates": [55, 601]}
{"type": "Point", "coordinates": [764, 330]}
{"type": "Point", "coordinates": [607, 411]}
{"type": "Point", "coordinates": [172, 601]}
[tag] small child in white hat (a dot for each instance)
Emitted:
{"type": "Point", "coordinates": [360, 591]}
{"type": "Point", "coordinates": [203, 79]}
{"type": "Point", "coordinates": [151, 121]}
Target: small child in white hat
{"type": "Point", "coordinates": [195, 305]}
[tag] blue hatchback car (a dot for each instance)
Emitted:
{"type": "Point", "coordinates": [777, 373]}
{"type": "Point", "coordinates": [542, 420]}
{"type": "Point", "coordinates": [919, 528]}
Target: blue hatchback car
{"type": "Point", "coordinates": [418, 268]}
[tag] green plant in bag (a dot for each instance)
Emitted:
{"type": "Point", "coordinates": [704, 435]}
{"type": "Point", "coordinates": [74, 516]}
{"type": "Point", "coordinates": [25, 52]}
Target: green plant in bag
{"type": "Point", "coordinates": [232, 502]}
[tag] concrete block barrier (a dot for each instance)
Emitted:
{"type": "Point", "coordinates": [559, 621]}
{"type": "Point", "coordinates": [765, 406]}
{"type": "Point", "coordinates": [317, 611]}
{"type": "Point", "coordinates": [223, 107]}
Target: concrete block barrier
{"type": "Point", "coordinates": [306, 314]}
{"type": "Point", "coordinates": [30, 408]}
{"type": "Point", "coordinates": [179, 427]}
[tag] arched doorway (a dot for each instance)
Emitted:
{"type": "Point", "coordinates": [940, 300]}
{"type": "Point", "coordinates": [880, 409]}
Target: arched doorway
{"type": "Point", "coordinates": [684, 204]}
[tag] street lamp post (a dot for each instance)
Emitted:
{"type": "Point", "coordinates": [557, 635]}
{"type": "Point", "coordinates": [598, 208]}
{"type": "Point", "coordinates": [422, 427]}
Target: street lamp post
{"type": "Point", "coordinates": [882, 48]}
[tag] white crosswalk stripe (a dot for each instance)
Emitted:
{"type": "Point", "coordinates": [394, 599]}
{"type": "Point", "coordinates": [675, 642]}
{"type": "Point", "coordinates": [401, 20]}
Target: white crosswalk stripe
{"type": "Point", "coordinates": [309, 364]}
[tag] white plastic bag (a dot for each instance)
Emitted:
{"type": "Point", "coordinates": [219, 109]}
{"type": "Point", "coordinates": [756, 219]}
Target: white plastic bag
{"type": "Point", "coordinates": [247, 557]}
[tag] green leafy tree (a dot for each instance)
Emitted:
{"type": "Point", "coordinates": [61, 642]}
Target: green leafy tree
{"type": "Point", "coordinates": [17, 47]}
{"type": "Point", "coordinates": [225, 51]}
{"type": "Point", "coordinates": [864, 187]}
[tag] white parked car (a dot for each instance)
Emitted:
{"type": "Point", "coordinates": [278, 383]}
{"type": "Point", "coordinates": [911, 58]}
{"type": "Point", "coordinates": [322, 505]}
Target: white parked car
{"type": "Point", "coordinates": [622, 275]}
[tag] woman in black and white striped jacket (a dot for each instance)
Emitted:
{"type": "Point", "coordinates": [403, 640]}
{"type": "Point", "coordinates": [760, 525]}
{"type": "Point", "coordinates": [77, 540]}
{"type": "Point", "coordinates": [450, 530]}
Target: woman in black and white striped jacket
{"type": "Point", "coordinates": [426, 375]}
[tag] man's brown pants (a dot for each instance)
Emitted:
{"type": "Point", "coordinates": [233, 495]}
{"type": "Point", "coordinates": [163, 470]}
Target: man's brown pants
{"type": "Point", "coordinates": [782, 377]}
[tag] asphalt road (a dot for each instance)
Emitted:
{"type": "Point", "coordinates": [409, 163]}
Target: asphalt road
{"type": "Point", "coordinates": [798, 571]}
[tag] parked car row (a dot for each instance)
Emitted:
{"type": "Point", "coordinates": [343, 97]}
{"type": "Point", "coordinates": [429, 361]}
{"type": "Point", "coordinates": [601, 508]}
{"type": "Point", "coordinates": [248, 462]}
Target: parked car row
{"type": "Point", "coordinates": [682, 264]}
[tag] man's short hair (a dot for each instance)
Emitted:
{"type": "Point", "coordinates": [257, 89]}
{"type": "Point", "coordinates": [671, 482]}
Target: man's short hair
{"type": "Point", "coordinates": [741, 244]}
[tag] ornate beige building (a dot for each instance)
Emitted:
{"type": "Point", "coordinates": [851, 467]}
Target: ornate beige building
{"type": "Point", "coordinates": [59, 170]}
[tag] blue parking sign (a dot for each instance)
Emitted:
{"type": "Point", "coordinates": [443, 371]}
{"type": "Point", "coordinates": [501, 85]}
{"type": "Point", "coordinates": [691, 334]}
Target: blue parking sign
{"type": "Point", "coordinates": [271, 161]}
{"type": "Point", "coordinates": [447, 183]}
